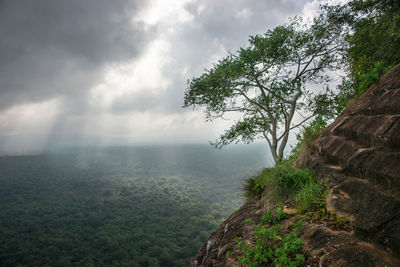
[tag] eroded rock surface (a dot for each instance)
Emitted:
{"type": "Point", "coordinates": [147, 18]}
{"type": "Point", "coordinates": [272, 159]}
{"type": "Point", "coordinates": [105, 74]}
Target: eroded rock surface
{"type": "Point", "coordinates": [360, 154]}
{"type": "Point", "coordinates": [363, 143]}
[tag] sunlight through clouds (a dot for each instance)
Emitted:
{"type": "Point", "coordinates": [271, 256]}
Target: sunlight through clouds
{"type": "Point", "coordinates": [160, 11]}
{"type": "Point", "coordinates": [109, 72]}
{"type": "Point", "coordinates": [26, 119]}
{"type": "Point", "coordinates": [133, 77]}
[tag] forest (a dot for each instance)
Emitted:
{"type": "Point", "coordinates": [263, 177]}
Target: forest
{"type": "Point", "coordinates": [119, 206]}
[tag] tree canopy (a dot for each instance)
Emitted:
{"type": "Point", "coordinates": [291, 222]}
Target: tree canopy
{"type": "Point", "coordinates": [268, 83]}
{"type": "Point", "coordinates": [117, 206]}
{"type": "Point", "coordinates": [376, 37]}
{"type": "Point", "coordinates": [371, 45]}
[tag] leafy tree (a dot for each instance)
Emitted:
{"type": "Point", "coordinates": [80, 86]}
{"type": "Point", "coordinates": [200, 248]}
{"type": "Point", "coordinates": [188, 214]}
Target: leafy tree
{"type": "Point", "coordinates": [376, 37]}
{"type": "Point", "coordinates": [268, 83]}
{"type": "Point", "coordinates": [372, 43]}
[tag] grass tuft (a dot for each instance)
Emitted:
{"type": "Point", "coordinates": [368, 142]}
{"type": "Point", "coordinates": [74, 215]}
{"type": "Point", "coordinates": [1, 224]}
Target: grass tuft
{"type": "Point", "coordinates": [283, 180]}
{"type": "Point", "coordinates": [311, 196]}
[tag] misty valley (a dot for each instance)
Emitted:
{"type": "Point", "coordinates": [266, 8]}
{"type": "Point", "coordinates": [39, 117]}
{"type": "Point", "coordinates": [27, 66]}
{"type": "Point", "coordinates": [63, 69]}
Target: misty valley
{"type": "Point", "coordinates": [119, 206]}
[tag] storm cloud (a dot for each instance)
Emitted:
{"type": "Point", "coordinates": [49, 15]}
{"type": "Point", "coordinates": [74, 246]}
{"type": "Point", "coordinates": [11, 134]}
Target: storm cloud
{"type": "Point", "coordinates": [118, 68]}
{"type": "Point", "coordinates": [214, 29]}
{"type": "Point", "coordinates": [52, 48]}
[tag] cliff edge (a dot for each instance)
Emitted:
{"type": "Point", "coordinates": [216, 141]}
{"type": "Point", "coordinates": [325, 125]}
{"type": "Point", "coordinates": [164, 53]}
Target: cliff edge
{"type": "Point", "coordinates": [360, 155]}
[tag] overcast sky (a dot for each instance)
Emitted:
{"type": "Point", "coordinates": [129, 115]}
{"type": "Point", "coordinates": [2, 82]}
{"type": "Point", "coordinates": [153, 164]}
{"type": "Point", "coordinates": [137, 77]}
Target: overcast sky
{"type": "Point", "coordinates": [81, 71]}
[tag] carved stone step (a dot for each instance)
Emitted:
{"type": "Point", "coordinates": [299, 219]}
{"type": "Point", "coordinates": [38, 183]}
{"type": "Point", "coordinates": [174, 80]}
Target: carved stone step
{"type": "Point", "coordinates": [370, 210]}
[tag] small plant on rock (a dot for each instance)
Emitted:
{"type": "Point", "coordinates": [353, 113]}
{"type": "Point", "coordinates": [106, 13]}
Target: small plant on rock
{"type": "Point", "coordinates": [274, 216]}
{"type": "Point", "coordinates": [311, 196]}
{"type": "Point", "coordinates": [271, 244]}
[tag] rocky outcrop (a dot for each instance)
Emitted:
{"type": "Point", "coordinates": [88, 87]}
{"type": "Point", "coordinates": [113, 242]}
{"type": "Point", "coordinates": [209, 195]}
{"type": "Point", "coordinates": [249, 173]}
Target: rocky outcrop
{"type": "Point", "coordinates": [360, 154]}
{"type": "Point", "coordinates": [362, 146]}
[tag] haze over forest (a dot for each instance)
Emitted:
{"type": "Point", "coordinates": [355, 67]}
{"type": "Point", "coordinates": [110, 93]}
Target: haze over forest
{"type": "Point", "coordinates": [118, 206]}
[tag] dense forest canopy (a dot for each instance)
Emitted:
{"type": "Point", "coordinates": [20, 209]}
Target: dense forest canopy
{"type": "Point", "coordinates": [117, 206]}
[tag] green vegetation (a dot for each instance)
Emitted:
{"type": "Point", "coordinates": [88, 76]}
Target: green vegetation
{"type": "Point", "coordinates": [323, 215]}
{"type": "Point", "coordinates": [281, 181]}
{"type": "Point", "coordinates": [374, 45]}
{"type": "Point", "coordinates": [151, 206]}
{"type": "Point", "coordinates": [274, 216]}
{"type": "Point", "coordinates": [299, 187]}
{"type": "Point", "coordinates": [248, 221]}
{"type": "Point", "coordinates": [310, 203]}
{"type": "Point", "coordinates": [311, 196]}
{"type": "Point", "coordinates": [271, 245]}
{"type": "Point", "coordinates": [308, 196]}
{"type": "Point", "coordinates": [366, 79]}
{"type": "Point", "coordinates": [371, 46]}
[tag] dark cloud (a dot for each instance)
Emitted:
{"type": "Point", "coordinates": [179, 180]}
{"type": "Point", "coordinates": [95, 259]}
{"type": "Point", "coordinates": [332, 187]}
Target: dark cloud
{"type": "Point", "coordinates": [228, 23]}
{"type": "Point", "coordinates": [223, 24]}
{"type": "Point", "coordinates": [231, 22]}
{"type": "Point", "coordinates": [52, 48]}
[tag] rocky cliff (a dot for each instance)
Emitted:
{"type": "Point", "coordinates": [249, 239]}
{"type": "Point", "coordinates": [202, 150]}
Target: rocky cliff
{"type": "Point", "coordinates": [360, 154]}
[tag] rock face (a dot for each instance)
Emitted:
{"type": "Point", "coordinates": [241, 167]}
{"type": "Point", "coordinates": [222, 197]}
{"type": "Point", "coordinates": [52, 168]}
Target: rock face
{"type": "Point", "coordinates": [360, 154]}
{"type": "Point", "coordinates": [363, 147]}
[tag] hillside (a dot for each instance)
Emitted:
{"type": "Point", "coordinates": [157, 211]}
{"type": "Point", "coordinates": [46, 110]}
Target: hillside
{"type": "Point", "coordinates": [360, 155]}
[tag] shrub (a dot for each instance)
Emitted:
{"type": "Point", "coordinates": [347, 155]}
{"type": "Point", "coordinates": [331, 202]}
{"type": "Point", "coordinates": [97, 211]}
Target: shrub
{"type": "Point", "coordinates": [271, 246]}
{"type": "Point", "coordinates": [281, 181]}
{"type": "Point", "coordinates": [252, 187]}
{"type": "Point", "coordinates": [274, 216]}
{"type": "Point", "coordinates": [371, 76]}
{"type": "Point", "coordinates": [290, 178]}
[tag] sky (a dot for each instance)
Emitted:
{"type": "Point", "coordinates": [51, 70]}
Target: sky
{"type": "Point", "coordinates": [101, 72]}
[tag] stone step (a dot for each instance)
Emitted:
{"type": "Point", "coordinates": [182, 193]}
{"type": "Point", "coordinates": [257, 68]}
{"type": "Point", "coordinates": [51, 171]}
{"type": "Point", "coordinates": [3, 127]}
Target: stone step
{"type": "Point", "coordinates": [341, 248]}
{"type": "Point", "coordinates": [337, 149]}
{"type": "Point", "coordinates": [380, 166]}
{"type": "Point", "coordinates": [370, 209]}
{"type": "Point", "coordinates": [359, 254]}
{"type": "Point", "coordinates": [377, 164]}
{"type": "Point", "coordinates": [369, 131]}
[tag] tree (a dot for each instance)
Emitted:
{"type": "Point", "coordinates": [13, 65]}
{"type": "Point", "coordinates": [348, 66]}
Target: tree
{"type": "Point", "coordinates": [372, 45]}
{"type": "Point", "coordinates": [268, 83]}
